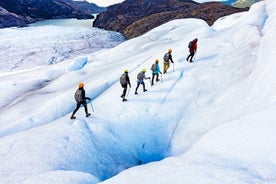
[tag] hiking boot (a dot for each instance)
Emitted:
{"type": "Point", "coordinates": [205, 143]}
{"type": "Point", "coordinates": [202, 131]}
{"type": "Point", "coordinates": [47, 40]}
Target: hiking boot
{"type": "Point", "coordinates": [187, 59]}
{"type": "Point", "coordinates": [73, 117]}
{"type": "Point", "coordinates": [122, 96]}
{"type": "Point", "coordinates": [135, 93]}
{"type": "Point", "coordinates": [124, 100]}
{"type": "Point", "coordinates": [88, 114]}
{"type": "Point", "coordinates": [145, 90]}
{"type": "Point", "coordinates": [157, 80]}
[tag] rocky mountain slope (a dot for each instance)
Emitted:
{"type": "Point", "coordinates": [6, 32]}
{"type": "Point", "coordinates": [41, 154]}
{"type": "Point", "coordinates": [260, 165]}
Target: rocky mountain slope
{"type": "Point", "coordinates": [135, 17]}
{"type": "Point", "coordinates": [22, 12]}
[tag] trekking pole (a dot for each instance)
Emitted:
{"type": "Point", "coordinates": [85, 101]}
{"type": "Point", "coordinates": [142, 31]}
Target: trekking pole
{"type": "Point", "coordinates": [161, 77]}
{"type": "Point", "coordinates": [173, 67]}
{"type": "Point", "coordinates": [128, 91]}
{"type": "Point", "coordinates": [91, 106]}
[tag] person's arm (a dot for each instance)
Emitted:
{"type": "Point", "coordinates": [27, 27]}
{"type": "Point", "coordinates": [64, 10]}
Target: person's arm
{"type": "Point", "coordinates": [144, 76]}
{"type": "Point", "coordinates": [158, 69]}
{"type": "Point", "coordinates": [170, 57]}
{"type": "Point", "coordinates": [128, 81]}
{"type": "Point", "coordinates": [84, 97]}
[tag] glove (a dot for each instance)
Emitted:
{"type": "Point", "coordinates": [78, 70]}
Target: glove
{"type": "Point", "coordinates": [88, 98]}
{"type": "Point", "coordinates": [130, 85]}
{"type": "Point", "coordinates": [160, 72]}
{"type": "Point", "coordinates": [172, 62]}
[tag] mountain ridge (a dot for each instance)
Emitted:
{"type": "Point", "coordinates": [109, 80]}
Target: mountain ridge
{"type": "Point", "coordinates": [152, 13]}
{"type": "Point", "coordinates": [20, 13]}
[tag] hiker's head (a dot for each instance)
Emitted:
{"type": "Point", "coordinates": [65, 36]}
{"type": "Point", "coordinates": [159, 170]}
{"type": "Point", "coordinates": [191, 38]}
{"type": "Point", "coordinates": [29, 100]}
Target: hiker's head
{"type": "Point", "coordinates": [195, 40]}
{"type": "Point", "coordinates": [156, 61]}
{"type": "Point", "coordinates": [144, 70]}
{"type": "Point", "coordinates": [81, 85]}
{"type": "Point", "coordinates": [126, 70]}
{"type": "Point", "coordinates": [170, 50]}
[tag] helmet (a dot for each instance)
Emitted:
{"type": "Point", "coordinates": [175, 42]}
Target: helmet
{"type": "Point", "coordinates": [144, 70]}
{"type": "Point", "coordinates": [81, 85]}
{"type": "Point", "coordinates": [156, 60]}
{"type": "Point", "coordinates": [170, 50]}
{"type": "Point", "coordinates": [126, 70]}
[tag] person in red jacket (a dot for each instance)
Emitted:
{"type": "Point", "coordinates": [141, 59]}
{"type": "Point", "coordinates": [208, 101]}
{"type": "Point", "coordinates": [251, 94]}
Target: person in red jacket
{"type": "Point", "coordinates": [192, 48]}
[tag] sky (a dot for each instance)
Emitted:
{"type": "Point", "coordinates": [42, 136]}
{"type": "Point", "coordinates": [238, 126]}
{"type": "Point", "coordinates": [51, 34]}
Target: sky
{"type": "Point", "coordinates": [210, 121]}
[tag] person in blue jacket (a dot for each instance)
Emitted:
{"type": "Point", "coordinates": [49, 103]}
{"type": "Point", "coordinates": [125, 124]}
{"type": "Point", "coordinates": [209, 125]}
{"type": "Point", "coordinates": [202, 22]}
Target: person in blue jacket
{"type": "Point", "coordinates": [155, 68]}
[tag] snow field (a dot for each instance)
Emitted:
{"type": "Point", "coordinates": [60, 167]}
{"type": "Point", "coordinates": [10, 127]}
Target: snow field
{"type": "Point", "coordinates": [211, 121]}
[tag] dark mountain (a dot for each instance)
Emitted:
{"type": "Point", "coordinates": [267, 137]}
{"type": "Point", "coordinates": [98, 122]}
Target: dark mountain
{"type": "Point", "coordinates": [135, 17]}
{"type": "Point", "coordinates": [22, 12]}
{"type": "Point", "coordinates": [8, 19]}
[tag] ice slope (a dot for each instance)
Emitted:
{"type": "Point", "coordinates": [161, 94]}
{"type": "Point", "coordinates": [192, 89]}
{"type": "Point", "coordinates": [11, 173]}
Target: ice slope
{"type": "Point", "coordinates": [25, 48]}
{"type": "Point", "coordinates": [211, 121]}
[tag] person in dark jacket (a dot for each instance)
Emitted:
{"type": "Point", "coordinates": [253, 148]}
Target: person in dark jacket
{"type": "Point", "coordinates": [124, 80]}
{"type": "Point", "coordinates": [155, 71]}
{"type": "Point", "coordinates": [140, 80]}
{"type": "Point", "coordinates": [81, 100]}
{"type": "Point", "coordinates": [192, 50]}
{"type": "Point", "coordinates": [167, 59]}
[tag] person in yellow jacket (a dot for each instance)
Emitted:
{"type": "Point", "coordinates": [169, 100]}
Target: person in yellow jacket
{"type": "Point", "coordinates": [167, 59]}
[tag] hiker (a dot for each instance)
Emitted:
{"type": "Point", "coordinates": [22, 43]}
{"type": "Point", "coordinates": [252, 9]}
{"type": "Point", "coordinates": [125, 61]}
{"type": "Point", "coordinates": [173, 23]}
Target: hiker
{"type": "Point", "coordinates": [192, 48]}
{"type": "Point", "coordinates": [140, 80]}
{"type": "Point", "coordinates": [167, 60]}
{"type": "Point", "coordinates": [81, 100]}
{"type": "Point", "coordinates": [124, 80]}
{"type": "Point", "coordinates": [155, 71]}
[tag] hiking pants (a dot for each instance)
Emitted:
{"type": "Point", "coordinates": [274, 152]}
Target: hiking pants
{"type": "Point", "coordinates": [166, 66]}
{"type": "Point", "coordinates": [138, 84]}
{"type": "Point", "coordinates": [153, 76]}
{"type": "Point", "coordinates": [78, 106]}
{"type": "Point", "coordinates": [124, 91]}
{"type": "Point", "coordinates": [192, 53]}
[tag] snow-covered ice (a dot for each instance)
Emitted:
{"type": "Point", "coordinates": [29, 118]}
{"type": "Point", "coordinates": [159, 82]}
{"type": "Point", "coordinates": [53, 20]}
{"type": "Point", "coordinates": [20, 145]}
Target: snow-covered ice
{"type": "Point", "coordinates": [211, 121]}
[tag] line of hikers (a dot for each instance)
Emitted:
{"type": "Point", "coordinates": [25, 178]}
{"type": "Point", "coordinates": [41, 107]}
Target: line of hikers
{"type": "Point", "coordinates": [141, 76]}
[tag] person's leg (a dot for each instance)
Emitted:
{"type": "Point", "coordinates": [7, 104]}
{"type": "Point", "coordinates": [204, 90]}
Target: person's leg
{"type": "Point", "coordinates": [138, 84]}
{"type": "Point", "coordinates": [77, 108]}
{"type": "Point", "coordinates": [124, 92]}
{"type": "Point", "coordinates": [153, 75]}
{"type": "Point", "coordinates": [157, 77]}
{"type": "Point", "coordinates": [144, 86]}
{"type": "Point", "coordinates": [85, 109]}
{"type": "Point", "coordinates": [188, 56]}
{"type": "Point", "coordinates": [166, 66]}
{"type": "Point", "coordinates": [192, 55]}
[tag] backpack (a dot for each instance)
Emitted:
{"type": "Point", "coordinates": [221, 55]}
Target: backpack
{"type": "Point", "coordinates": [166, 57]}
{"type": "Point", "coordinates": [123, 80]}
{"type": "Point", "coordinates": [78, 95]}
{"type": "Point", "coordinates": [140, 76]}
{"type": "Point", "coordinates": [153, 67]}
{"type": "Point", "coordinates": [191, 45]}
